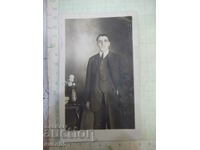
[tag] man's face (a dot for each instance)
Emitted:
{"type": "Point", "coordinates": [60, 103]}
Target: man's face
{"type": "Point", "coordinates": [103, 43]}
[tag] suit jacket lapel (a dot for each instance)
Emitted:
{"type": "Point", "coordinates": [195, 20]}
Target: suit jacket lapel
{"type": "Point", "coordinates": [110, 62]}
{"type": "Point", "coordinates": [96, 63]}
{"type": "Point", "coordinates": [111, 67]}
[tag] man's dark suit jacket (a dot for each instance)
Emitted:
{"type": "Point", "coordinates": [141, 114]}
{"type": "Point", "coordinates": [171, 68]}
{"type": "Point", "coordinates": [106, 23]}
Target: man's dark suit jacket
{"type": "Point", "coordinates": [119, 76]}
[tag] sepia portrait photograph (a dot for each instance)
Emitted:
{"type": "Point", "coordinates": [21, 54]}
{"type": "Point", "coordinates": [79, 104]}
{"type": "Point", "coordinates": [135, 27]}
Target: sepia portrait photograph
{"type": "Point", "coordinates": [98, 73]}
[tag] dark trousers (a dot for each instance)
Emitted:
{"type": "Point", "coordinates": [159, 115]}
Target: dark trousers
{"type": "Point", "coordinates": [108, 116]}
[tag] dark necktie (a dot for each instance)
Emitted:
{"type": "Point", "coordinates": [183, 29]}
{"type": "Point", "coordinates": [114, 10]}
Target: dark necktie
{"type": "Point", "coordinates": [101, 57]}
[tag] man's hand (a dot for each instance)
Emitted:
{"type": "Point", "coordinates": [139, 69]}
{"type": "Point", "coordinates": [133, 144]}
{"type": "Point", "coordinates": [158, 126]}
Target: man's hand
{"type": "Point", "coordinates": [87, 105]}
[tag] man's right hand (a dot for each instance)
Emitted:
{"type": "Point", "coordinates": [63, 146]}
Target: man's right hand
{"type": "Point", "coordinates": [88, 105]}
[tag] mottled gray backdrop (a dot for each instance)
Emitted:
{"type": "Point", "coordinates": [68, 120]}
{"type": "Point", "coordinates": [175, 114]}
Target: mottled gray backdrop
{"type": "Point", "coordinates": [81, 44]}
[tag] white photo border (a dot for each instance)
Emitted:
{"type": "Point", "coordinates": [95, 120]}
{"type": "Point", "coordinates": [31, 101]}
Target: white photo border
{"type": "Point", "coordinates": [111, 134]}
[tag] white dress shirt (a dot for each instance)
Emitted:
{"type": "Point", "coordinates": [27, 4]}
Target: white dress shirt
{"type": "Point", "coordinates": [104, 53]}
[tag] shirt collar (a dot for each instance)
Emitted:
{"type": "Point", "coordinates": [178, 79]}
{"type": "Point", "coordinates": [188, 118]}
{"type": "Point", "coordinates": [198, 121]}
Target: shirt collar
{"type": "Point", "coordinates": [105, 53]}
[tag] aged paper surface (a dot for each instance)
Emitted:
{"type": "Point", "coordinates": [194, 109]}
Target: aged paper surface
{"type": "Point", "coordinates": [146, 20]}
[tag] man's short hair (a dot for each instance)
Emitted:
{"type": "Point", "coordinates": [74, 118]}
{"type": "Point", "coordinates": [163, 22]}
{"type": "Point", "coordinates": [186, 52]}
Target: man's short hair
{"type": "Point", "coordinates": [102, 35]}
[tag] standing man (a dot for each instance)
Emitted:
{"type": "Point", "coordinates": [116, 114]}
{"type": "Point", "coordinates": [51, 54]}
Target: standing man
{"type": "Point", "coordinates": [105, 86]}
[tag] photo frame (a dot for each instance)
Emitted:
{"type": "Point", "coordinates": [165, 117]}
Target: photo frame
{"type": "Point", "coordinates": [91, 134]}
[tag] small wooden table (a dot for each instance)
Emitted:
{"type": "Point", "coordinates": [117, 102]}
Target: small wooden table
{"type": "Point", "coordinates": [72, 116]}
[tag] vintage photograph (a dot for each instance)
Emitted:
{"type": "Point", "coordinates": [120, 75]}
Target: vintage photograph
{"type": "Point", "coordinates": [99, 73]}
